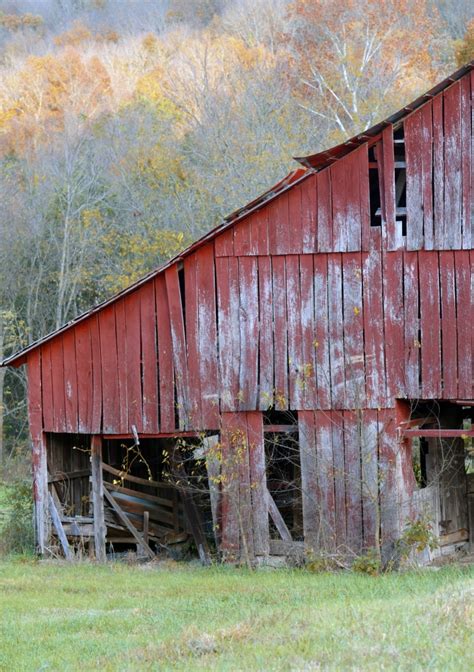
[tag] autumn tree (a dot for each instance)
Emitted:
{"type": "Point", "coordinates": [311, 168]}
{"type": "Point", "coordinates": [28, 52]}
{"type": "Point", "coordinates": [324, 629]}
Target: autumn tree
{"type": "Point", "coordinates": [357, 62]}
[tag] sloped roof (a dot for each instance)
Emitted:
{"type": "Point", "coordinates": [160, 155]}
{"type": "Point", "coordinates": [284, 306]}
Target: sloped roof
{"type": "Point", "coordinates": [311, 164]}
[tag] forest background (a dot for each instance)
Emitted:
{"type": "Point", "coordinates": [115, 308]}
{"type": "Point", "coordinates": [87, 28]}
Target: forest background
{"type": "Point", "coordinates": [128, 128]}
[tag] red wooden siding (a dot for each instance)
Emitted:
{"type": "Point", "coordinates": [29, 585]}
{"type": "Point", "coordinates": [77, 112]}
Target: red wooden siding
{"type": "Point", "coordinates": [302, 305]}
{"type": "Point", "coordinates": [300, 332]}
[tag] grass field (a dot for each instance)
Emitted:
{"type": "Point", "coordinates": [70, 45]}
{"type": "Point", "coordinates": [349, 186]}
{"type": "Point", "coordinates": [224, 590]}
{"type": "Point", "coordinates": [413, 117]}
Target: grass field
{"type": "Point", "coordinates": [170, 617]}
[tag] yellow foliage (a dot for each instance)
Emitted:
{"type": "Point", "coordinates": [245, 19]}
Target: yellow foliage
{"type": "Point", "coordinates": [141, 252]}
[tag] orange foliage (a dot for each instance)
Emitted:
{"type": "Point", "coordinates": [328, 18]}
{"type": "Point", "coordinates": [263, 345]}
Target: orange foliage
{"type": "Point", "coordinates": [46, 90]}
{"type": "Point", "coordinates": [362, 59]}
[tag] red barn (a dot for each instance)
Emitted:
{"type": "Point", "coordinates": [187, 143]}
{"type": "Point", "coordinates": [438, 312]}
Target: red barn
{"type": "Point", "coordinates": [314, 344]}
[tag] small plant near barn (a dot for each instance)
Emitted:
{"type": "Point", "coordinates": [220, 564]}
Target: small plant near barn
{"type": "Point", "coordinates": [417, 536]}
{"type": "Point", "coordinates": [16, 525]}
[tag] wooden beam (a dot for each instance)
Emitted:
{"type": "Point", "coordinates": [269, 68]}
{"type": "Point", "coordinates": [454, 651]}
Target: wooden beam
{"type": "Point", "coordinates": [135, 479]}
{"type": "Point", "coordinates": [280, 429]}
{"type": "Point", "coordinates": [437, 433]}
{"type": "Point", "coordinates": [277, 518]}
{"type": "Point", "coordinates": [125, 521]}
{"type": "Point", "coordinates": [97, 483]}
{"type": "Point", "coordinates": [59, 528]}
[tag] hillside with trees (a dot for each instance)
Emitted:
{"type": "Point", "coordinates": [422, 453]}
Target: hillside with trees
{"type": "Point", "coordinates": [128, 128]}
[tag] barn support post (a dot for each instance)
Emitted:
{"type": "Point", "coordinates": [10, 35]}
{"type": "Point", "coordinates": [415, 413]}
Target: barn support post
{"type": "Point", "coordinates": [97, 483]}
{"type": "Point", "coordinates": [42, 519]}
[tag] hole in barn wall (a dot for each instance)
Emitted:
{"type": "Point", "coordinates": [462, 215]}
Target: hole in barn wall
{"type": "Point", "coordinates": [400, 180]}
{"type": "Point", "coordinates": [374, 188]}
{"type": "Point", "coordinates": [283, 470]}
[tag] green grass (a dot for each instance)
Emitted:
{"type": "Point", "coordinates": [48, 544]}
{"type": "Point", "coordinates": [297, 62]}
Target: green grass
{"type": "Point", "coordinates": [4, 506]}
{"type": "Point", "coordinates": [170, 617]}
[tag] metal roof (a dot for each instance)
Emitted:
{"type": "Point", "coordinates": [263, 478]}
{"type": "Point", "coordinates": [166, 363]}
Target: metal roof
{"type": "Point", "coordinates": [312, 163]}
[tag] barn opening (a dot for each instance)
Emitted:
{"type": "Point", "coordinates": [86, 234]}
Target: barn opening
{"type": "Point", "coordinates": [440, 434]}
{"type": "Point", "coordinates": [155, 494]}
{"type": "Point", "coordinates": [283, 468]}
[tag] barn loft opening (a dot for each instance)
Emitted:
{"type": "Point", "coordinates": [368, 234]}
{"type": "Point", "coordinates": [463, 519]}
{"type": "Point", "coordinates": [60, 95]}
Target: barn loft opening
{"type": "Point", "coordinates": [374, 186]}
{"type": "Point", "coordinates": [400, 180]}
{"type": "Point", "coordinates": [440, 435]}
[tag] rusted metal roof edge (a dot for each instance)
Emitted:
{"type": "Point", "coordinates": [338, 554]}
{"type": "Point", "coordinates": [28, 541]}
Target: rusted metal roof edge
{"type": "Point", "coordinates": [19, 357]}
{"type": "Point", "coordinates": [322, 159]}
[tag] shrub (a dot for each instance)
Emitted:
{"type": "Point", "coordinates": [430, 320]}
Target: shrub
{"type": "Point", "coordinates": [369, 563]}
{"type": "Point", "coordinates": [17, 534]}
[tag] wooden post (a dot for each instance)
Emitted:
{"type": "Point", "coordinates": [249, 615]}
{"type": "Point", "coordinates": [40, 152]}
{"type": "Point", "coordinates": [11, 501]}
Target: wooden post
{"type": "Point", "coordinates": [40, 492]}
{"type": "Point", "coordinates": [97, 483]}
{"type": "Point", "coordinates": [68, 554]}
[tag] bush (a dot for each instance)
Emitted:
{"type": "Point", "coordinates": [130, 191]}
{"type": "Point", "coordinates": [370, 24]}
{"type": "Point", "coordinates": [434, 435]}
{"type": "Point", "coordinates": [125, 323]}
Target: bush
{"type": "Point", "coordinates": [370, 563]}
{"type": "Point", "coordinates": [17, 534]}
{"type": "Point", "coordinates": [417, 535]}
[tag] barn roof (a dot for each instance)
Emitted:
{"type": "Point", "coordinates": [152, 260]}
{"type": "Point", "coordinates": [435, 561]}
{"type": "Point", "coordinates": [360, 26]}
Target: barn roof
{"type": "Point", "coordinates": [311, 164]}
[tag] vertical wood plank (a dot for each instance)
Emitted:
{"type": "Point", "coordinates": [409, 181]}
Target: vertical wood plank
{"type": "Point", "coordinates": [464, 322]}
{"type": "Point", "coordinates": [308, 334]}
{"type": "Point", "coordinates": [336, 329]}
{"type": "Point", "coordinates": [414, 186]}
{"type": "Point", "coordinates": [134, 358]}
{"type": "Point", "coordinates": [97, 484]}
{"type": "Point", "coordinates": [278, 225]}
{"type": "Point", "coordinates": [332, 424]}
{"type": "Point", "coordinates": [234, 304]}
{"type": "Point", "coordinates": [295, 356]}
{"type": "Point", "coordinates": [467, 161]}
{"type": "Point", "coordinates": [57, 375]}
{"type": "Point", "coordinates": [224, 243]}
{"type": "Point", "coordinates": [326, 481]}
{"type": "Point", "coordinates": [39, 465]}
{"type": "Point", "coordinates": [426, 150]}
{"type": "Point", "coordinates": [369, 476]}
{"type": "Point", "coordinates": [110, 370]}
{"type": "Point", "coordinates": [122, 366]}
{"type": "Point", "coordinates": [448, 325]}
{"type": "Point", "coordinates": [394, 325]}
{"type": "Point", "coordinates": [294, 220]}
{"type": "Point", "coordinates": [258, 483]}
{"type": "Point", "coordinates": [178, 340]}
{"type": "Point", "coordinates": [280, 333]}
{"type": "Point", "coordinates": [47, 388]}
{"type": "Point", "coordinates": [438, 172]}
{"type": "Point", "coordinates": [266, 333]}
{"type": "Point", "coordinates": [321, 341]}
{"type": "Point", "coordinates": [325, 241]}
{"type": "Point", "coordinates": [412, 325]}
{"type": "Point", "coordinates": [352, 462]}
{"type": "Point", "coordinates": [149, 358]}
{"type": "Point", "coordinates": [309, 480]}
{"type": "Point", "coordinates": [192, 337]}
{"type": "Point", "coordinates": [242, 239]}
{"type": "Point", "coordinates": [225, 333]}
{"type": "Point", "coordinates": [430, 324]}
{"type": "Point", "coordinates": [165, 357]}
{"type": "Point", "coordinates": [355, 393]}
{"type": "Point", "coordinates": [374, 336]}
{"type": "Point", "coordinates": [452, 238]}
{"type": "Point", "coordinates": [309, 224]}
{"type": "Point", "coordinates": [70, 379]}
{"type": "Point", "coordinates": [388, 162]}
{"type": "Point", "coordinates": [230, 489]}
{"type": "Point", "coordinates": [259, 232]}
{"type": "Point", "coordinates": [84, 376]}
{"type": "Point", "coordinates": [249, 333]}
{"type": "Point", "coordinates": [208, 356]}
{"type": "Point", "coordinates": [97, 397]}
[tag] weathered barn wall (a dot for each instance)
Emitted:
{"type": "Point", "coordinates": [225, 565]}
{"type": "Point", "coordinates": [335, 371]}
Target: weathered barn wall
{"type": "Point", "coordinates": [313, 303]}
